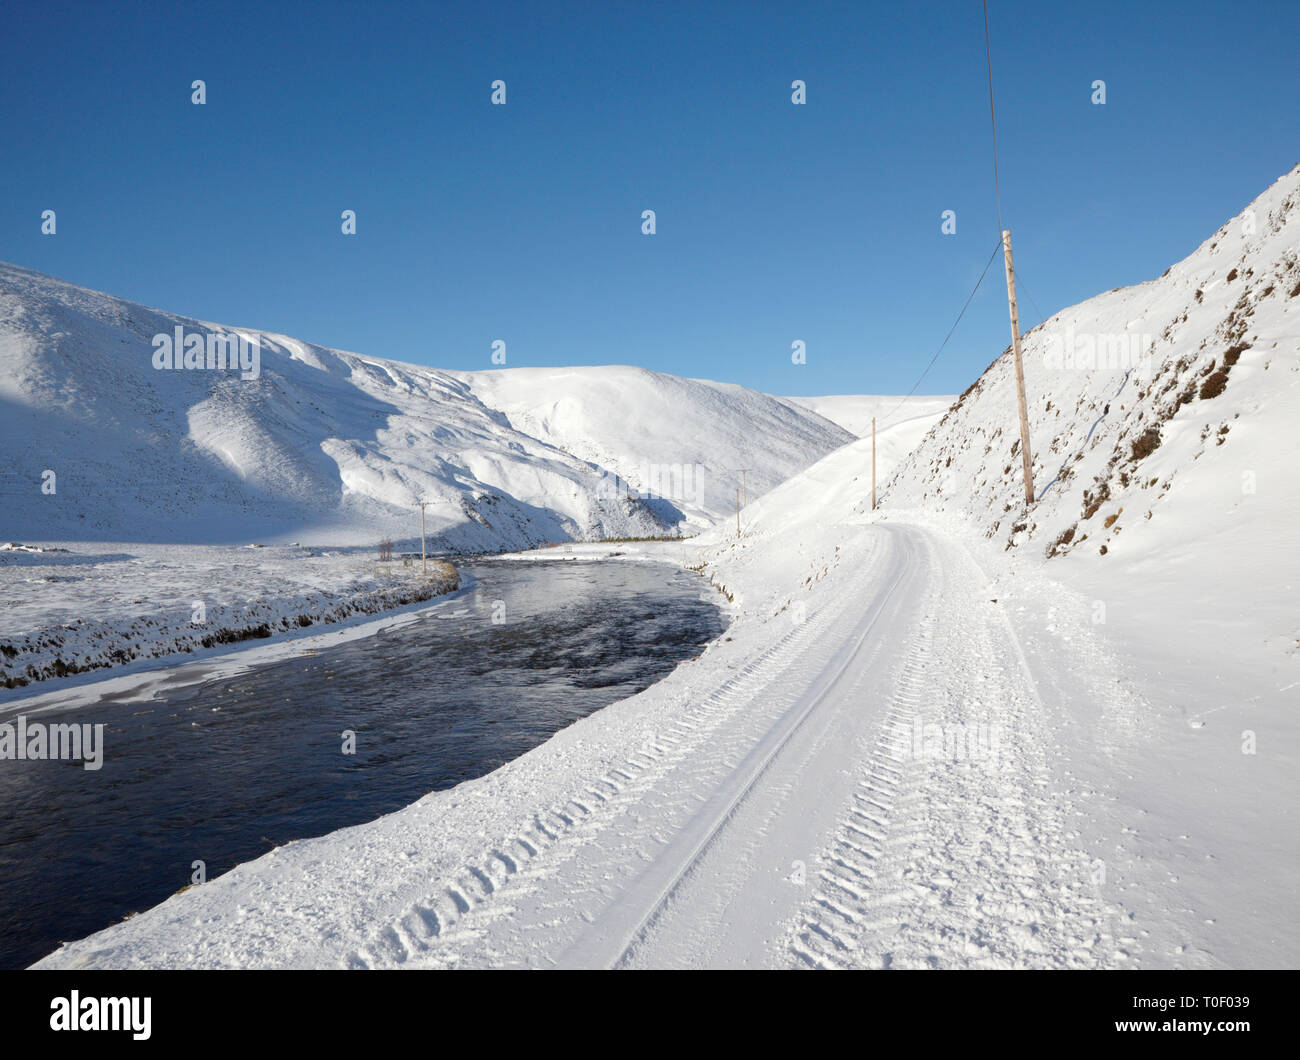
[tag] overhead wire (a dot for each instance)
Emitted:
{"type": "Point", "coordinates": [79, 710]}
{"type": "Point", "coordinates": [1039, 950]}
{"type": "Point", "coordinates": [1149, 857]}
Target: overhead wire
{"type": "Point", "coordinates": [969, 298]}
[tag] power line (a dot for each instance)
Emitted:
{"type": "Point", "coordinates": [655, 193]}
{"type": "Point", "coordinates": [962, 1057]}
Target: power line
{"type": "Point", "coordinates": [997, 196]}
{"type": "Point", "coordinates": [988, 55]}
{"type": "Point", "coordinates": [969, 299]}
{"type": "Point", "coordinates": [1020, 283]}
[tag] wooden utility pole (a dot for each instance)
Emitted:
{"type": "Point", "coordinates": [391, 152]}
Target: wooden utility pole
{"type": "Point", "coordinates": [873, 463]}
{"type": "Point", "coordinates": [1020, 369]}
{"type": "Point", "coordinates": [424, 558]}
{"type": "Point", "coordinates": [743, 488]}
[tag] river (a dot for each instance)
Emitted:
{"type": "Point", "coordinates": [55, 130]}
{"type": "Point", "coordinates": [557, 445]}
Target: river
{"type": "Point", "coordinates": [223, 771]}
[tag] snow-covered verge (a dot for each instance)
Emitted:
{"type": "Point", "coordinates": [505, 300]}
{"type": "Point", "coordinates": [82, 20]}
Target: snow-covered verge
{"type": "Point", "coordinates": [311, 443]}
{"type": "Point", "coordinates": [88, 606]}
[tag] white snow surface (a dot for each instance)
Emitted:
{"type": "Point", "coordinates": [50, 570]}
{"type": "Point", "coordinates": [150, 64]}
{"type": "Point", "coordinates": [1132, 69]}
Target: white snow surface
{"type": "Point", "coordinates": [921, 743]}
{"type": "Point", "coordinates": [901, 424]}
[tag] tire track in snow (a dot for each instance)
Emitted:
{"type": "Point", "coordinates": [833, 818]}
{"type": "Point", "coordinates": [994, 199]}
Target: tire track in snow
{"type": "Point", "coordinates": [932, 863]}
{"type": "Point", "coordinates": [462, 908]}
{"type": "Point", "coordinates": [828, 932]}
{"type": "Point", "coordinates": [628, 920]}
{"type": "Point", "coordinates": [966, 864]}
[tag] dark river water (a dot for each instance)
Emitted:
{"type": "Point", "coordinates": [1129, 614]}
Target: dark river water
{"type": "Point", "coordinates": [224, 771]}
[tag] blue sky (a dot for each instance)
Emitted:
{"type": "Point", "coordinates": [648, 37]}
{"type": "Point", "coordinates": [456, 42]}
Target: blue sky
{"type": "Point", "coordinates": [522, 222]}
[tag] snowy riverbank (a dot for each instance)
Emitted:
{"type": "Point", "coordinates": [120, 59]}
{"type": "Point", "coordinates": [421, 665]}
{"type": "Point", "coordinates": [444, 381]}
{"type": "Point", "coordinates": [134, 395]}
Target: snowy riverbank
{"type": "Point", "coordinates": [76, 609]}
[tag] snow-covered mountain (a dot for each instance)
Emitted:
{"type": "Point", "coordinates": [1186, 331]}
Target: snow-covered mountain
{"type": "Point", "coordinates": [322, 445]}
{"type": "Point", "coordinates": [644, 426]}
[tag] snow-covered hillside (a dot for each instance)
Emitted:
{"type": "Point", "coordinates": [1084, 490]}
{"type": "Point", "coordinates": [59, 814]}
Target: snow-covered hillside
{"type": "Point", "coordinates": [661, 434]}
{"type": "Point", "coordinates": [901, 423]}
{"type": "Point", "coordinates": [326, 446]}
{"type": "Point", "coordinates": [1163, 423]}
{"type": "Point", "coordinates": [1169, 406]}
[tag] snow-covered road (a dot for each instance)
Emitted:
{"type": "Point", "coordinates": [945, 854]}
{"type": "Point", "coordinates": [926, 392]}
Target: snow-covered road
{"type": "Point", "coordinates": [875, 784]}
{"type": "Point", "coordinates": [797, 816]}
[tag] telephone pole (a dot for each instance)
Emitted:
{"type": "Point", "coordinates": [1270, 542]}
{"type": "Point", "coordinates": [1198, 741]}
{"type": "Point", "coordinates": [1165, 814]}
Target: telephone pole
{"type": "Point", "coordinates": [873, 463]}
{"type": "Point", "coordinates": [424, 558]}
{"type": "Point", "coordinates": [741, 491]}
{"type": "Point", "coordinates": [1020, 369]}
